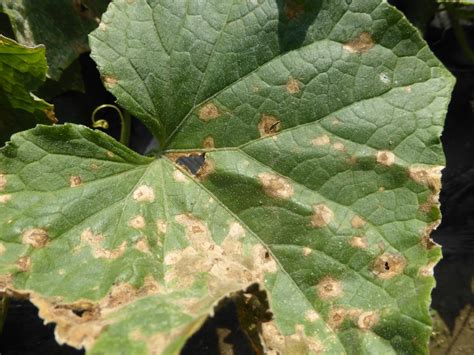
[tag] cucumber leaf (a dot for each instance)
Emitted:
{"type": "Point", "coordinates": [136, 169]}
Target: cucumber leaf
{"type": "Point", "coordinates": [299, 152]}
{"type": "Point", "coordinates": [23, 70]}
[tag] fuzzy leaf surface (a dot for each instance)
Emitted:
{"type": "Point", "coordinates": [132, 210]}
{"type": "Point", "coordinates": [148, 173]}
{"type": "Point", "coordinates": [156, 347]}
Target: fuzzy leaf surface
{"type": "Point", "coordinates": [22, 70]}
{"type": "Point", "coordinates": [311, 135]}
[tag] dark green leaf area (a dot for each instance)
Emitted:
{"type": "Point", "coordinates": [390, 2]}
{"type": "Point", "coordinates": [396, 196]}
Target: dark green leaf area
{"type": "Point", "coordinates": [61, 25]}
{"type": "Point", "coordinates": [23, 70]}
{"type": "Point", "coordinates": [242, 72]}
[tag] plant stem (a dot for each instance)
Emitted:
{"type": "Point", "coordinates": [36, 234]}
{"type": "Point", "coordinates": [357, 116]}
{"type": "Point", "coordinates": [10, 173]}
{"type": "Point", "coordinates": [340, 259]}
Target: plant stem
{"type": "Point", "coordinates": [125, 130]}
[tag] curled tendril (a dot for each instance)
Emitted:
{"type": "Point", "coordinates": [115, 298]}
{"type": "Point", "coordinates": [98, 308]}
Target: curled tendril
{"type": "Point", "coordinates": [104, 124]}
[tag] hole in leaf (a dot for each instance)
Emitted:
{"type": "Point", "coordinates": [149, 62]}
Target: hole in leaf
{"type": "Point", "coordinates": [235, 326]}
{"type": "Point", "coordinates": [79, 312]}
{"type": "Point", "coordinates": [192, 162]}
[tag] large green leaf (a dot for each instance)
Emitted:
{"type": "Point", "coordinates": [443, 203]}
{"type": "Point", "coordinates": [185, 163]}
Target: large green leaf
{"type": "Point", "coordinates": [22, 70]}
{"type": "Point", "coordinates": [61, 25]}
{"type": "Point", "coordinates": [317, 126]}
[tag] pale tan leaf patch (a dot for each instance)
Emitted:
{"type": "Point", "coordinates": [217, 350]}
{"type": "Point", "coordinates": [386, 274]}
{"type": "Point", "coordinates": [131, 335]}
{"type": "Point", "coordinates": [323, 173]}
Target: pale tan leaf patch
{"type": "Point", "coordinates": [358, 242]}
{"type": "Point", "coordinates": [293, 86]}
{"type": "Point", "coordinates": [95, 241]}
{"type": "Point", "coordinates": [297, 343]}
{"type": "Point", "coordinates": [5, 198]}
{"type": "Point", "coordinates": [329, 288]}
{"type": "Point", "coordinates": [209, 112]}
{"type": "Point", "coordinates": [3, 182]}
{"type": "Point", "coordinates": [268, 125]}
{"type": "Point", "coordinates": [387, 266]}
{"type": "Point", "coordinates": [361, 44]}
{"type": "Point", "coordinates": [322, 216]}
{"type": "Point", "coordinates": [137, 222]}
{"type": "Point", "coordinates": [24, 263]}
{"type": "Point", "coordinates": [357, 222]}
{"type": "Point", "coordinates": [144, 193]}
{"type": "Point", "coordinates": [428, 176]}
{"type": "Point", "coordinates": [367, 320]}
{"type": "Point", "coordinates": [321, 140]}
{"type": "Point", "coordinates": [276, 186]}
{"type": "Point", "coordinates": [385, 157]}
{"type": "Point", "coordinates": [36, 237]}
{"type": "Point", "coordinates": [75, 181]}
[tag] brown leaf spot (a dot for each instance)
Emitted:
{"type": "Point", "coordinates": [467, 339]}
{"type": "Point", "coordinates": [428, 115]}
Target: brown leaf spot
{"type": "Point", "coordinates": [367, 320]}
{"type": "Point", "coordinates": [77, 331]}
{"type": "Point", "coordinates": [208, 142]}
{"type": "Point", "coordinates": [357, 222]}
{"type": "Point", "coordinates": [428, 176]}
{"type": "Point", "coordinates": [209, 112]}
{"type": "Point", "coordinates": [358, 242]}
{"type": "Point", "coordinates": [142, 246]}
{"type": "Point", "coordinates": [426, 240]}
{"type": "Point", "coordinates": [161, 226]}
{"type": "Point", "coordinates": [322, 216]}
{"type": "Point", "coordinates": [119, 295]}
{"type": "Point", "coordinates": [137, 222]}
{"type": "Point", "coordinates": [297, 343]}
{"type": "Point", "coordinates": [236, 231]}
{"type": "Point", "coordinates": [103, 27]}
{"type": "Point", "coordinates": [385, 157]}
{"type": "Point", "coordinates": [329, 288]}
{"type": "Point", "coordinates": [276, 186]}
{"type": "Point", "coordinates": [95, 242]}
{"type": "Point", "coordinates": [268, 126]}
{"type": "Point", "coordinates": [339, 146]}
{"type": "Point", "coordinates": [3, 182]}
{"type": "Point", "coordinates": [352, 160]}
{"type": "Point", "coordinates": [430, 202]}
{"type": "Point", "coordinates": [79, 324]}
{"type": "Point", "coordinates": [321, 140]}
{"type": "Point", "coordinates": [311, 315]}
{"type": "Point", "coordinates": [110, 81]}
{"type": "Point", "coordinates": [307, 251]}
{"type": "Point", "coordinates": [427, 270]}
{"type": "Point", "coordinates": [336, 317]}
{"type": "Point", "coordinates": [206, 169]}
{"type": "Point", "coordinates": [144, 193]}
{"type": "Point", "coordinates": [5, 198]}
{"type": "Point", "coordinates": [75, 181]}
{"type": "Point", "coordinates": [35, 237]}
{"type": "Point", "coordinates": [110, 154]}
{"type": "Point", "coordinates": [227, 268]}
{"type": "Point", "coordinates": [293, 86]}
{"type": "Point", "coordinates": [408, 89]}
{"type": "Point", "coordinates": [151, 287]}
{"type": "Point", "coordinates": [2, 249]}
{"type": "Point", "coordinates": [388, 265]}
{"type": "Point", "coordinates": [179, 176]}
{"type": "Point", "coordinates": [6, 282]}
{"type": "Point", "coordinates": [361, 44]}
{"type": "Point", "coordinates": [95, 167]}
{"type": "Point", "coordinates": [24, 264]}
{"type": "Point", "coordinates": [197, 231]}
